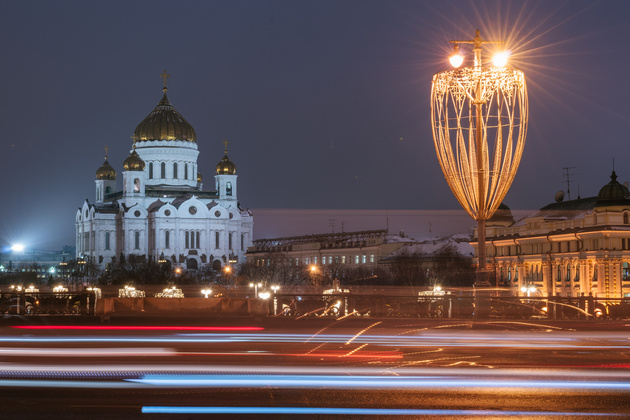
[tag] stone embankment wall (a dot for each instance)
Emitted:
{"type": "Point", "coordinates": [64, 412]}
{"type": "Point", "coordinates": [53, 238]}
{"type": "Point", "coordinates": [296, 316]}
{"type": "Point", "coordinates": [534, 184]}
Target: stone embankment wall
{"type": "Point", "coordinates": [181, 306]}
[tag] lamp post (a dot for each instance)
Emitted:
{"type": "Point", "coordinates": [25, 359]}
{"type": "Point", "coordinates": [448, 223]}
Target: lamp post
{"type": "Point", "coordinates": [275, 289]}
{"type": "Point", "coordinates": [479, 120]}
{"type": "Point", "coordinates": [255, 286]}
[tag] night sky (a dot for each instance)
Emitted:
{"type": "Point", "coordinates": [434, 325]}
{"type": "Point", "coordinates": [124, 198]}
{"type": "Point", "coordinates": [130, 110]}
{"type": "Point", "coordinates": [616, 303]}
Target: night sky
{"type": "Point", "coordinates": [325, 103]}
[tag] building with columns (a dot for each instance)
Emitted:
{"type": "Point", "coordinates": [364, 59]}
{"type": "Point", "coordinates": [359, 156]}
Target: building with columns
{"type": "Point", "coordinates": [162, 212]}
{"type": "Point", "coordinates": [566, 248]}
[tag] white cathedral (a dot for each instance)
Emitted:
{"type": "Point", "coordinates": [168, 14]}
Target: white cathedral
{"type": "Point", "coordinates": [162, 213]}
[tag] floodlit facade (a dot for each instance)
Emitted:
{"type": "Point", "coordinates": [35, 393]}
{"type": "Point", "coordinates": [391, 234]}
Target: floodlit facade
{"type": "Point", "coordinates": [348, 254]}
{"type": "Point", "coordinates": [162, 213]}
{"type": "Point", "coordinates": [567, 248]}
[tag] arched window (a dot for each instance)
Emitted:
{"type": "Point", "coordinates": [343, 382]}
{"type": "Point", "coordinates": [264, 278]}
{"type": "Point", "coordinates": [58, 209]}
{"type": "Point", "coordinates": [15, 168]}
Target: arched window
{"type": "Point", "coordinates": [559, 277]}
{"type": "Point", "coordinates": [163, 170]}
{"type": "Point", "coordinates": [107, 241]}
{"type": "Point", "coordinates": [167, 239]}
{"type": "Point", "coordinates": [216, 240]}
{"type": "Point", "coordinates": [625, 271]}
{"type": "Point", "coordinates": [150, 170]}
{"type": "Point", "coordinates": [187, 240]}
{"type": "Point", "coordinates": [197, 240]}
{"type": "Point", "coordinates": [175, 170]}
{"type": "Point", "coordinates": [228, 188]}
{"type": "Point", "coordinates": [568, 272]}
{"type": "Point", "coordinates": [136, 240]}
{"type": "Point", "coordinates": [136, 185]}
{"type": "Point", "coordinates": [577, 273]}
{"type": "Point", "coordinates": [625, 218]}
{"type": "Point", "coordinates": [185, 171]}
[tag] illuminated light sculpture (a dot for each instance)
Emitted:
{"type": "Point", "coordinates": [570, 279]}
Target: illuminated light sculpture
{"type": "Point", "coordinates": [479, 120]}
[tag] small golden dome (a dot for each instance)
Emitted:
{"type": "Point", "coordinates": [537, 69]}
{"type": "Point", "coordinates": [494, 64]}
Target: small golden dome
{"type": "Point", "coordinates": [133, 162]}
{"type": "Point", "coordinates": [199, 179]}
{"type": "Point", "coordinates": [226, 166]}
{"type": "Point", "coordinates": [106, 172]}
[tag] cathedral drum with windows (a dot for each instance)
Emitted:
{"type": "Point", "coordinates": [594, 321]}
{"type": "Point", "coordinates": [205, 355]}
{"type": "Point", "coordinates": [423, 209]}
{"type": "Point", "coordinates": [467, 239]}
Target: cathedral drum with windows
{"type": "Point", "coordinates": [162, 213]}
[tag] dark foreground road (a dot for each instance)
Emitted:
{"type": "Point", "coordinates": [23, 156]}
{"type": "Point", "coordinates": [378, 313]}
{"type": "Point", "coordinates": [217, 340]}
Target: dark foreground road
{"type": "Point", "coordinates": [358, 368]}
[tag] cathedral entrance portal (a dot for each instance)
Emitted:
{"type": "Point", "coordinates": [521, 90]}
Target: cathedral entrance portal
{"type": "Point", "coordinates": [216, 265]}
{"type": "Point", "coordinates": [191, 264]}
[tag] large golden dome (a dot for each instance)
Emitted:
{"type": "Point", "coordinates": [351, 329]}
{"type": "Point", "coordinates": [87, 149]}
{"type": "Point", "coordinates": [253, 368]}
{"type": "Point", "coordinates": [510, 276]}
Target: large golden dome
{"type": "Point", "coordinates": [106, 172]}
{"type": "Point", "coordinates": [133, 162]}
{"type": "Point", "coordinates": [164, 123]}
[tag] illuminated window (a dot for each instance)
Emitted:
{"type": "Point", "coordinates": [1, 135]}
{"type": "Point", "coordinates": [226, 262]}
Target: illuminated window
{"type": "Point", "coordinates": [343, 259]}
{"type": "Point", "coordinates": [363, 259]}
{"type": "Point", "coordinates": [356, 259]}
{"type": "Point", "coordinates": [371, 258]}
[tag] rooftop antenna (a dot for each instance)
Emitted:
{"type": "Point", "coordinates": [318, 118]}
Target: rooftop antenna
{"type": "Point", "coordinates": [567, 178]}
{"type": "Point", "coordinates": [332, 223]}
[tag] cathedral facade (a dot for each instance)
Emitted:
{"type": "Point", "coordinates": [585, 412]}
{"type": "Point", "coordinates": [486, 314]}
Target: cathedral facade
{"type": "Point", "coordinates": [162, 212]}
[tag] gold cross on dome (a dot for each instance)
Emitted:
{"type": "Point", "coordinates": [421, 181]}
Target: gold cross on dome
{"type": "Point", "coordinates": [165, 76]}
{"type": "Point", "coordinates": [106, 152]}
{"type": "Point", "coordinates": [225, 143]}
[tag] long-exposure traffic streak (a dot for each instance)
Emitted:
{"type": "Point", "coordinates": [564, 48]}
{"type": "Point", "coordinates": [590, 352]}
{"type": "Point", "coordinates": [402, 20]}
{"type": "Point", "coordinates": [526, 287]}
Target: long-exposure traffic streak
{"type": "Point", "coordinates": [384, 369]}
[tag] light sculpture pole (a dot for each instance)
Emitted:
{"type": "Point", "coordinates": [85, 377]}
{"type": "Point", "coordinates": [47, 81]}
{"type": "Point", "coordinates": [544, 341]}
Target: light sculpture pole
{"type": "Point", "coordinates": [479, 120]}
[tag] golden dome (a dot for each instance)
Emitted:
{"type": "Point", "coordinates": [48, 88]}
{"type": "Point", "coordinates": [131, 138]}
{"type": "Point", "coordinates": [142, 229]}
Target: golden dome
{"type": "Point", "coordinates": [106, 171]}
{"type": "Point", "coordinates": [133, 162]}
{"type": "Point", "coordinates": [225, 166]}
{"type": "Point", "coordinates": [164, 123]}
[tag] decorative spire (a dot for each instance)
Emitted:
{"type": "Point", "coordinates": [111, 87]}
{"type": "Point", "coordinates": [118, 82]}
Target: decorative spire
{"type": "Point", "coordinates": [165, 76]}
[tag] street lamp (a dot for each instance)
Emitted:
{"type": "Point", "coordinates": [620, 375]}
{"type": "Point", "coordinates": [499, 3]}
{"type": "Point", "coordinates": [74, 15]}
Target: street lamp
{"type": "Point", "coordinates": [255, 286]}
{"type": "Point", "coordinates": [479, 119]}
{"type": "Point", "coordinates": [528, 289]}
{"type": "Point", "coordinates": [275, 289]}
{"type": "Point", "coordinates": [206, 292]}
